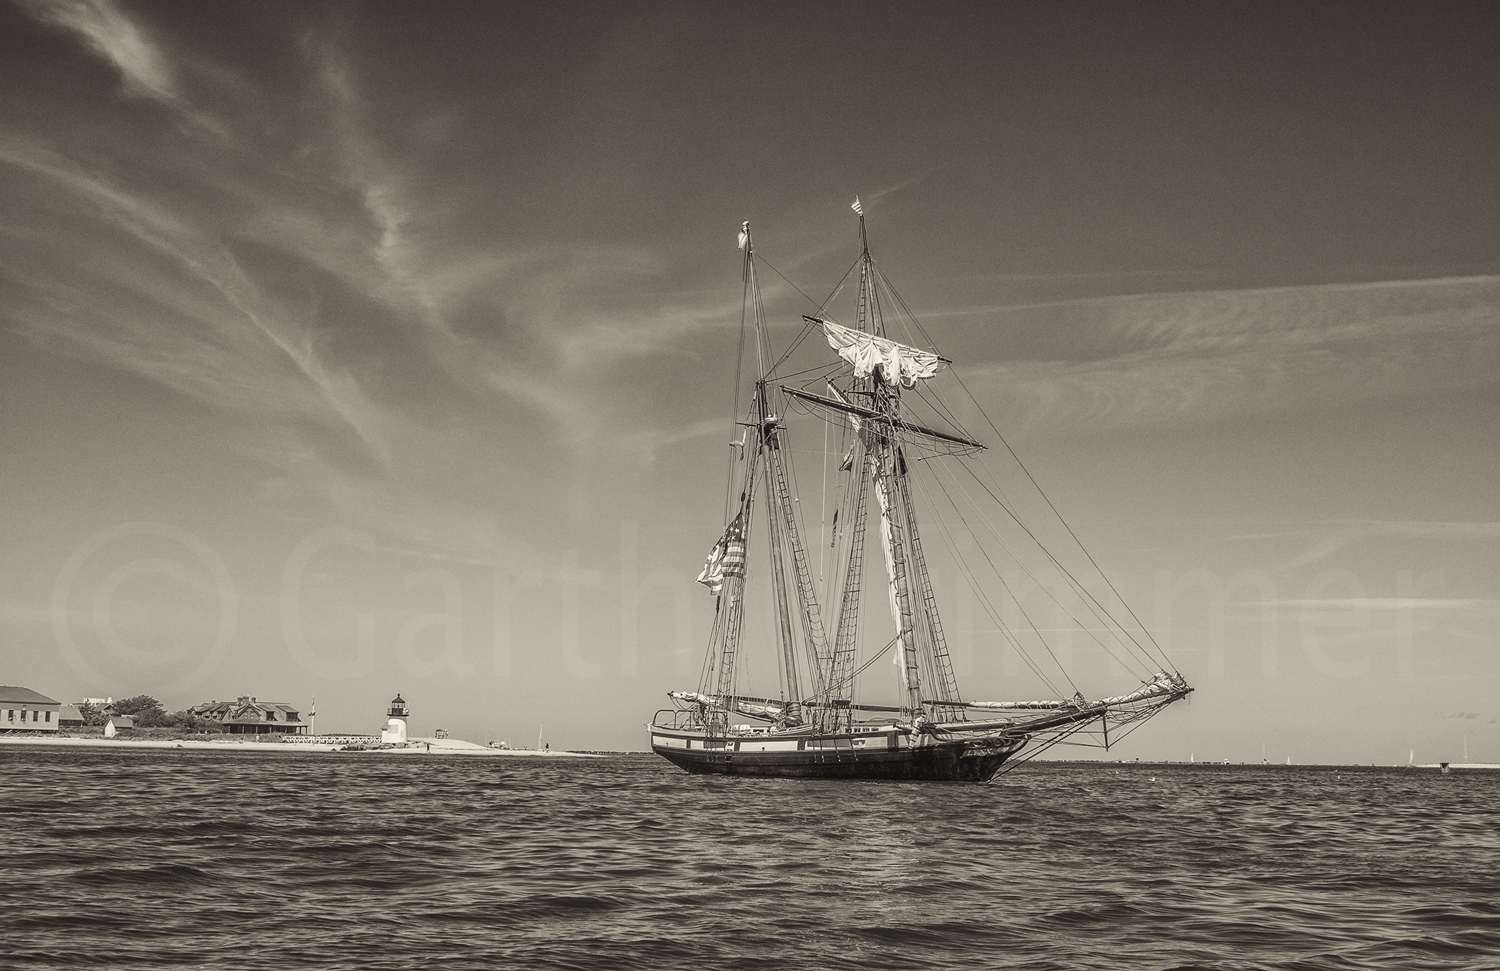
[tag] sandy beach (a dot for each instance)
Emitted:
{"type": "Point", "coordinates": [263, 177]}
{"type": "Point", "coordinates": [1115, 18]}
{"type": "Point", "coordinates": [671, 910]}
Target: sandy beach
{"type": "Point", "coordinates": [415, 746]}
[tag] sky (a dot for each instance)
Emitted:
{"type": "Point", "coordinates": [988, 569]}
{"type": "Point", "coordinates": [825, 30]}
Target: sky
{"type": "Point", "coordinates": [349, 349]}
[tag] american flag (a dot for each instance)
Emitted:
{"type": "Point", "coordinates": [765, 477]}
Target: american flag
{"type": "Point", "coordinates": [734, 548]}
{"type": "Point", "coordinates": [857, 207]}
{"type": "Point", "coordinates": [727, 558]}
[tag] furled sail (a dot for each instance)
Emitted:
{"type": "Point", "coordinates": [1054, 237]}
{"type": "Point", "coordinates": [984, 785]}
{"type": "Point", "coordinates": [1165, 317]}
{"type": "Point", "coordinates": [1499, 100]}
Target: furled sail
{"type": "Point", "coordinates": [783, 712]}
{"type": "Point", "coordinates": [1023, 705]}
{"type": "Point", "coordinates": [695, 697]}
{"type": "Point", "coordinates": [865, 352]}
{"type": "Point", "coordinates": [1160, 684]}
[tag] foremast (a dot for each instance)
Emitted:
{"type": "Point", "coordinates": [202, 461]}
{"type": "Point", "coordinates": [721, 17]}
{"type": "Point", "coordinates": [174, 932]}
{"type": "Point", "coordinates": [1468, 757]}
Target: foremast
{"type": "Point", "coordinates": [760, 453]}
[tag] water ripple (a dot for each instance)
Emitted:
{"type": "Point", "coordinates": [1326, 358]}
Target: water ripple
{"type": "Point", "coordinates": [210, 860]}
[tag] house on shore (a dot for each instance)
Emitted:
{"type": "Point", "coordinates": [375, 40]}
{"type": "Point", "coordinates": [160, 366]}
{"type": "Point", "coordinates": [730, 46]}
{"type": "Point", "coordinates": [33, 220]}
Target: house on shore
{"type": "Point", "coordinates": [24, 710]}
{"type": "Point", "coordinates": [247, 716]}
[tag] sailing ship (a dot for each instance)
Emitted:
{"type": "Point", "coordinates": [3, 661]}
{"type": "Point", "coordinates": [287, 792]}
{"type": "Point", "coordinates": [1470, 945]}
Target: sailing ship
{"type": "Point", "coordinates": [827, 715]}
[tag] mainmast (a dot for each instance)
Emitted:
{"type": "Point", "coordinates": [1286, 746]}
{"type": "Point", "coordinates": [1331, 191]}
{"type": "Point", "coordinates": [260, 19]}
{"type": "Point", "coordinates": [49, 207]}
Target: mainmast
{"type": "Point", "coordinates": [883, 458]}
{"type": "Point", "coordinates": [919, 646]}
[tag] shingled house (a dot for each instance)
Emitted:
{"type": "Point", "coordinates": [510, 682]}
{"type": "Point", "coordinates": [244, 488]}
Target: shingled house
{"type": "Point", "coordinates": [247, 716]}
{"type": "Point", "coordinates": [22, 709]}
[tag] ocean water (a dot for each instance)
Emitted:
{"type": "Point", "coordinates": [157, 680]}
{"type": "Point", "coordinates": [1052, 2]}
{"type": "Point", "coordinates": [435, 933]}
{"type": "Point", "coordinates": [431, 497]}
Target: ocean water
{"type": "Point", "coordinates": [163, 859]}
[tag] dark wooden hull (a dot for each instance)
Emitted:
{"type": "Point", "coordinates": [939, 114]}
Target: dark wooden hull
{"type": "Point", "coordinates": [958, 760]}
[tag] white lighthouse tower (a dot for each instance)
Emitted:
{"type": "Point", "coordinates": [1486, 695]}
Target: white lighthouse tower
{"type": "Point", "coordinates": [394, 732]}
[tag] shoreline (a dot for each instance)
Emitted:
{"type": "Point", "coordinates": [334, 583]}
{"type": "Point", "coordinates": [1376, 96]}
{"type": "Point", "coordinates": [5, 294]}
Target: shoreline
{"type": "Point", "coordinates": [415, 746]}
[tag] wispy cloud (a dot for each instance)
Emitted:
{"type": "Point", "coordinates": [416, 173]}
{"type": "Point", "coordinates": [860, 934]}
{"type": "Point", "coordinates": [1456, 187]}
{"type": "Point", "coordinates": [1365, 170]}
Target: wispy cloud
{"type": "Point", "coordinates": [647, 442]}
{"type": "Point", "coordinates": [547, 327]}
{"type": "Point", "coordinates": [1337, 536]}
{"type": "Point", "coordinates": [370, 173]}
{"type": "Point", "coordinates": [1144, 360]}
{"type": "Point", "coordinates": [116, 38]}
{"type": "Point", "coordinates": [145, 69]}
{"type": "Point", "coordinates": [294, 276]}
{"type": "Point", "coordinates": [1388, 603]}
{"type": "Point", "coordinates": [221, 337]}
{"type": "Point", "coordinates": [307, 283]}
{"type": "Point", "coordinates": [886, 191]}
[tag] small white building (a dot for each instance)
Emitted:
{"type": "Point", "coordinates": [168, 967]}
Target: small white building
{"type": "Point", "coordinates": [116, 723]}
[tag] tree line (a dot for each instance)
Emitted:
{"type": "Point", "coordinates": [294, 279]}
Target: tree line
{"type": "Point", "coordinates": [148, 713]}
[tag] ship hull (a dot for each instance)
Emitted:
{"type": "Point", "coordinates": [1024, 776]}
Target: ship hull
{"type": "Point", "coordinates": [888, 757]}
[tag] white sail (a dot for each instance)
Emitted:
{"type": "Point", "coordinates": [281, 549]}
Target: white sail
{"type": "Point", "coordinates": [882, 495]}
{"type": "Point", "coordinates": [865, 352]}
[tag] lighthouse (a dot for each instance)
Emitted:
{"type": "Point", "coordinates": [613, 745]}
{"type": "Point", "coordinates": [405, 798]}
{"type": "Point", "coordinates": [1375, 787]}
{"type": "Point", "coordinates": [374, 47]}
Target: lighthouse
{"type": "Point", "coordinates": [394, 732]}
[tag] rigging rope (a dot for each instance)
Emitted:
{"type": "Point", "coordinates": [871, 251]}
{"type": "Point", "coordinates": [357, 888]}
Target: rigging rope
{"type": "Point", "coordinates": [1160, 653]}
{"type": "Point", "coordinates": [1099, 613]}
{"type": "Point", "coordinates": [972, 578]}
{"type": "Point", "coordinates": [910, 324]}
